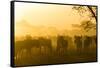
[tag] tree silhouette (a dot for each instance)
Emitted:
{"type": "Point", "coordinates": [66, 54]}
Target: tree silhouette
{"type": "Point", "coordinates": [87, 24]}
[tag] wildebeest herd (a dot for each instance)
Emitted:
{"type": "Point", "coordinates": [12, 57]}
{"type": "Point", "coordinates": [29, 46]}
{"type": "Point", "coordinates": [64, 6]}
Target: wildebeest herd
{"type": "Point", "coordinates": [36, 51]}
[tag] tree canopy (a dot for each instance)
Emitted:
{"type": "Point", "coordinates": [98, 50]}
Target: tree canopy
{"type": "Point", "coordinates": [92, 15]}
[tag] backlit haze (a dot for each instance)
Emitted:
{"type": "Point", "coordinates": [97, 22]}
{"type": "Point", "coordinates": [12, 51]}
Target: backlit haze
{"type": "Point", "coordinates": [45, 19]}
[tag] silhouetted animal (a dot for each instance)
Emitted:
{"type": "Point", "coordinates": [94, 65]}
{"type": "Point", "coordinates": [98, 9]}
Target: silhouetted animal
{"type": "Point", "coordinates": [87, 42]}
{"type": "Point", "coordinates": [78, 42]}
{"type": "Point", "coordinates": [62, 45]}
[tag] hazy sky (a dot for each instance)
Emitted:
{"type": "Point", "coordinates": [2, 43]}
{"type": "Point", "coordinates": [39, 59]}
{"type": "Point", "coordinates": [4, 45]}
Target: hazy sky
{"type": "Point", "coordinates": [50, 15]}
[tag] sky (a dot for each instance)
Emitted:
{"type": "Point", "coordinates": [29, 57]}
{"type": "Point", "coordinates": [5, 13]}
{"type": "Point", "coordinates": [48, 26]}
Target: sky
{"type": "Point", "coordinates": [28, 15]}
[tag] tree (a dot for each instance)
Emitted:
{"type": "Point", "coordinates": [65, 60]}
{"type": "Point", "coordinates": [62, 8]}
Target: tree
{"type": "Point", "coordinates": [91, 13]}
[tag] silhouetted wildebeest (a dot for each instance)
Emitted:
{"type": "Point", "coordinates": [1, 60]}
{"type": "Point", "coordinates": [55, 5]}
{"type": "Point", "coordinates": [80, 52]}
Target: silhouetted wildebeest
{"type": "Point", "coordinates": [87, 42]}
{"type": "Point", "coordinates": [32, 48]}
{"type": "Point", "coordinates": [84, 43]}
{"type": "Point", "coordinates": [78, 42]}
{"type": "Point", "coordinates": [41, 47]}
{"type": "Point", "coordinates": [62, 45]}
{"type": "Point", "coordinates": [45, 45]}
{"type": "Point", "coordinates": [90, 41]}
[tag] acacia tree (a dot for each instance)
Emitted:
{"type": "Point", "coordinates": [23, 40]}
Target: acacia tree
{"type": "Point", "coordinates": [90, 12]}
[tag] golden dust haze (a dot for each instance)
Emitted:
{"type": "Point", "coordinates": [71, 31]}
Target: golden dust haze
{"type": "Point", "coordinates": [45, 34]}
{"type": "Point", "coordinates": [44, 19]}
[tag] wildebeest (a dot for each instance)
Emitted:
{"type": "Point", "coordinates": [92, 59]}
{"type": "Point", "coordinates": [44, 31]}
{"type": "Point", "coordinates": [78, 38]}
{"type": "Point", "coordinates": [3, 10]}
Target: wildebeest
{"type": "Point", "coordinates": [45, 45]}
{"type": "Point", "coordinates": [78, 43]}
{"type": "Point", "coordinates": [30, 48]}
{"type": "Point", "coordinates": [84, 43]}
{"type": "Point", "coordinates": [87, 42]}
{"type": "Point", "coordinates": [62, 45]}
